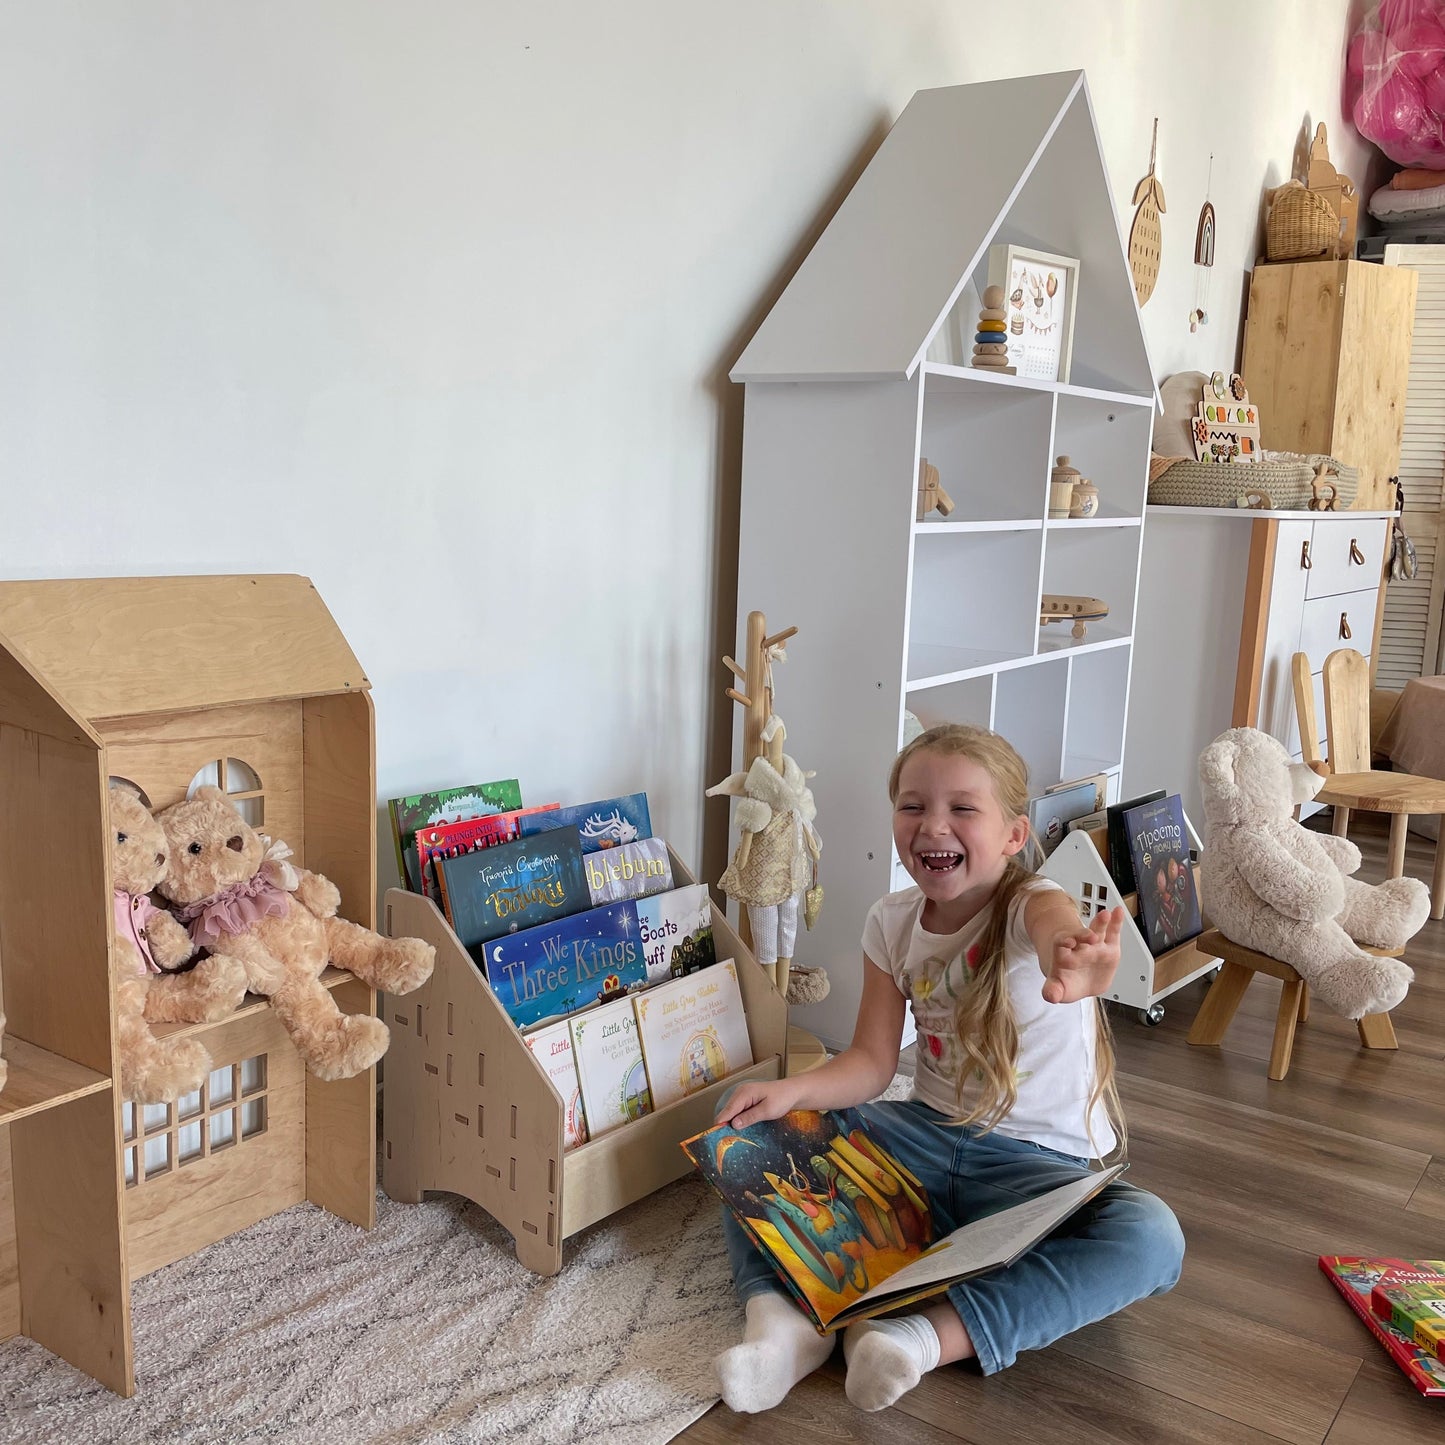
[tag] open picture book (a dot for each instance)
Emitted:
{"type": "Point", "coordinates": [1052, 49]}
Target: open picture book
{"type": "Point", "coordinates": [847, 1227]}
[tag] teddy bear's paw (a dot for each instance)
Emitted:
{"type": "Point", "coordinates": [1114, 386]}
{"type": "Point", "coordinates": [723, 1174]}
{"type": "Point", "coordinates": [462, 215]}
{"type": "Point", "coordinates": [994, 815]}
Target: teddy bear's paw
{"type": "Point", "coordinates": [1368, 984]}
{"type": "Point", "coordinates": [319, 894]}
{"type": "Point", "coordinates": [344, 1046]}
{"type": "Point", "coordinates": [166, 1073]}
{"type": "Point", "coordinates": [1407, 907]}
{"type": "Point", "coordinates": [220, 987]}
{"type": "Point", "coordinates": [403, 964]}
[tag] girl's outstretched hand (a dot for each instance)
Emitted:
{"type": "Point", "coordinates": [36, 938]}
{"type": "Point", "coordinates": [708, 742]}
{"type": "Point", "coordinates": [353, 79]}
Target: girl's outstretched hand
{"type": "Point", "coordinates": [1084, 962]}
{"type": "Point", "coordinates": [757, 1100]}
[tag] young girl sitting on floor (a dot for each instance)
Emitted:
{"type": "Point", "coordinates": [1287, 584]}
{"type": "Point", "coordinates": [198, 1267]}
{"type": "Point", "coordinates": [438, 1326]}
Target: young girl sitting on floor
{"type": "Point", "coordinates": [1013, 1091]}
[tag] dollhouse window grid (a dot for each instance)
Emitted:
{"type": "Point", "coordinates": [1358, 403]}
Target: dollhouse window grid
{"type": "Point", "coordinates": [228, 1109]}
{"type": "Point", "coordinates": [241, 784]}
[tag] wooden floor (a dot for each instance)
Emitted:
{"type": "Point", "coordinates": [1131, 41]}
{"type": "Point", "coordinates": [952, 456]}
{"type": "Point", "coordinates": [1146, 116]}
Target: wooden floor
{"type": "Point", "coordinates": [1346, 1155]}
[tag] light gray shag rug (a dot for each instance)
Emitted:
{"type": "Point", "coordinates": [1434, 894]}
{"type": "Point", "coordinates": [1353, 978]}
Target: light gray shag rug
{"type": "Point", "coordinates": [306, 1330]}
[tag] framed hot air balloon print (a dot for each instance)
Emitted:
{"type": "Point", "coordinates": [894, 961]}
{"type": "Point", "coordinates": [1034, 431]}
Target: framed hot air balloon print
{"type": "Point", "coordinates": [1039, 293]}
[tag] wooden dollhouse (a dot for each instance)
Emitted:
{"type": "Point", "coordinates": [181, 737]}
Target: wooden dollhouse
{"type": "Point", "coordinates": [166, 682]}
{"type": "Point", "coordinates": [858, 373]}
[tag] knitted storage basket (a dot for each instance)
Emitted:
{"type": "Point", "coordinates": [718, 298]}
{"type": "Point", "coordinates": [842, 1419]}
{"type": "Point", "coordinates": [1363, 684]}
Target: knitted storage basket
{"type": "Point", "coordinates": [1300, 224]}
{"type": "Point", "coordinates": [1286, 484]}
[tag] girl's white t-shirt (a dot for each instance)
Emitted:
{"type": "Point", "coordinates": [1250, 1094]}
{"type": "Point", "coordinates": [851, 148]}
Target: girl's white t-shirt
{"type": "Point", "coordinates": [1056, 1062]}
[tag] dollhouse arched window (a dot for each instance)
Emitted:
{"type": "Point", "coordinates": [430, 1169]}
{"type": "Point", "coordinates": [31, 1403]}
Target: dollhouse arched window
{"type": "Point", "coordinates": [240, 783]}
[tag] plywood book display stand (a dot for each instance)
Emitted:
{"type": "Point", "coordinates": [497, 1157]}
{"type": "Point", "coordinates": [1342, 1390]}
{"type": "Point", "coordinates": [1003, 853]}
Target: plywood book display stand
{"type": "Point", "coordinates": [162, 681]}
{"type": "Point", "coordinates": [469, 1110]}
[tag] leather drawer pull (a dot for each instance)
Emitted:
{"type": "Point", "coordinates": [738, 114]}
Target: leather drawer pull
{"type": "Point", "coordinates": [1345, 626]}
{"type": "Point", "coordinates": [1356, 555]}
{"type": "Point", "coordinates": [1304, 557]}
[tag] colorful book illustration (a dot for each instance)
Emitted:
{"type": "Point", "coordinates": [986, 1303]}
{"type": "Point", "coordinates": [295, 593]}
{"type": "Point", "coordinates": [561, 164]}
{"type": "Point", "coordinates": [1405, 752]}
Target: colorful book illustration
{"type": "Point", "coordinates": [552, 1045]}
{"type": "Point", "coordinates": [1121, 867]}
{"type": "Point", "coordinates": [559, 967]}
{"type": "Point", "coordinates": [1355, 1276]}
{"type": "Point", "coordinates": [1416, 1306]}
{"type": "Point", "coordinates": [847, 1228]}
{"type": "Point", "coordinates": [1159, 854]}
{"type": "Point", "coordinates": [471, 800]}
{"type": "Point", "coordinates": [464, 835]}
{"type": "Point", "coordinates": [631, 871]}
{"type": "Point", "coordinates": [676, 931]}
{"type": "Point", "coordinates": [693, 1032]}
{"type": "Point", "coordinates": [607, 823]}
{"type": "Point", "coordinates": [609, 1066]}
{"type": "Point", "coordinates": [512, 886]}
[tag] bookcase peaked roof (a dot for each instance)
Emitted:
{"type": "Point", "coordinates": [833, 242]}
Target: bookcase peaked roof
{"type": "Point", "coordinates": [73, 652]}
{"type": "Point", "coordinates": [963, 165]}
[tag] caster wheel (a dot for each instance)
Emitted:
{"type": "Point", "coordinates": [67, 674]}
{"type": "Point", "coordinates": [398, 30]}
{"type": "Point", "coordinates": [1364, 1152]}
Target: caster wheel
{"type": "Point", "coordinates": [1152, 1016]}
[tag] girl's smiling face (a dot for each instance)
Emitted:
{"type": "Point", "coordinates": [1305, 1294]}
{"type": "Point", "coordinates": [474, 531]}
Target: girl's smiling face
{"type": "Point", "coordinates": [952, 835]}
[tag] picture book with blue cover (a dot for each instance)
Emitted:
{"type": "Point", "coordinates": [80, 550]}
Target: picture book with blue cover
{"type": "Point", "coordinates": [606, 823]}
{"type": "Point", "coordinates": [513, 886]}
{"type": "Point", "coordinates": [1159, 850]}
{"type": "Point", "coordinates": [559, 967]}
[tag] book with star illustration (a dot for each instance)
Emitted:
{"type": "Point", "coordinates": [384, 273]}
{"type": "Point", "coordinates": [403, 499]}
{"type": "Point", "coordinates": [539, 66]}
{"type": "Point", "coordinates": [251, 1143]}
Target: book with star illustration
{"type": "Point", "coordinates": [848, 1229]}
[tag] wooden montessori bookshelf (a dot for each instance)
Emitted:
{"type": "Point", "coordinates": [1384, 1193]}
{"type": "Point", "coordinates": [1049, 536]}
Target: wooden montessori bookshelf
{"type": "Point", "coordinates": [468, 1109]}
{"type": "Point", "coordinates": [163, 681]}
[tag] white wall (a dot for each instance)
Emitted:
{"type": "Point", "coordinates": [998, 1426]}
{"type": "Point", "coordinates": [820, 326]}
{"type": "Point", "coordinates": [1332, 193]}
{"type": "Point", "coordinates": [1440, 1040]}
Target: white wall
{"type": "Point", "coordinates": [434, 302]}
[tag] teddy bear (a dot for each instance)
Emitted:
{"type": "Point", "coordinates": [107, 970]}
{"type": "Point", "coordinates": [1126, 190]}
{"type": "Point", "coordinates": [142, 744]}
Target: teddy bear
{"type": "Point", "coordinates": [149, 946]}
{"type": "Point", "coordinates": [241, 900]}
{"type": "Point", "coordinates": [1285, 891]}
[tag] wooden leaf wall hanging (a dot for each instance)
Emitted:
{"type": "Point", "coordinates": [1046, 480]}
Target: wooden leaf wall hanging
{"type": "Point", "coordinates": [1145, 235]}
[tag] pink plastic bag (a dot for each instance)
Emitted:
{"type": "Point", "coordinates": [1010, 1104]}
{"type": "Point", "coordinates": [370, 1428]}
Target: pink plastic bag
{"type": "Point", "coordinates": [1395, 80]}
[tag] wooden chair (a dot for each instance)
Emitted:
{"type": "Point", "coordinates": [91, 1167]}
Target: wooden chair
{"type": "Point", "coordinates": [1350, 782]}
{"type": "Point", "coordinates": [1240, 964]}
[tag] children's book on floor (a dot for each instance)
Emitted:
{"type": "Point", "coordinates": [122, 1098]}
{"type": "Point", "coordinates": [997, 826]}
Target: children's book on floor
{"type": "Point", "coordinates": [847, 1228]}
{"type": "Point", "coordinates": [1358, 1276]}
{"type": "Point", "coordinates": [1416, 1307]}
{"type": "Point", "coordinates": [1158, 843]}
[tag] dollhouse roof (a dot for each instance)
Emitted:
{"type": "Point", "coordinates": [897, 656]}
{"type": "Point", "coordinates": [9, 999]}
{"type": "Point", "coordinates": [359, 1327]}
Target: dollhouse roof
{"type": "Point", "coordinates": [963, 167]}
{"type": "Point", "coordinates": [73, 652]}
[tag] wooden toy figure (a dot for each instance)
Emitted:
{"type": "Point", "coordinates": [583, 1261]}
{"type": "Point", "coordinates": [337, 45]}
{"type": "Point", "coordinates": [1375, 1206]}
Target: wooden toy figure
{"type": "Point", "coordinates": [990, 344]}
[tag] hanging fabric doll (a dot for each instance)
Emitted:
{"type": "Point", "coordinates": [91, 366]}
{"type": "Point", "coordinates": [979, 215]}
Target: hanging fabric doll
{"type": "Point", "coordinates": [775, 862]}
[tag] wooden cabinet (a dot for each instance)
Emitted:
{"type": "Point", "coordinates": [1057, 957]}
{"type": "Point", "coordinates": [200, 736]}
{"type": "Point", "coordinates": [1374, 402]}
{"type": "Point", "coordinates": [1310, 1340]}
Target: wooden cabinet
{"type": "Point", "coordinates": [1327, 359]}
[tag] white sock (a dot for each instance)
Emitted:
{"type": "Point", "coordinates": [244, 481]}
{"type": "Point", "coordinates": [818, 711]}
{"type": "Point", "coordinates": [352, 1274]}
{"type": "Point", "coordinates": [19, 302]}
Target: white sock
{"type": "Point", "coordinates": [780, 1347]}
{"type": "Point", "coordinates": [887, 1358]}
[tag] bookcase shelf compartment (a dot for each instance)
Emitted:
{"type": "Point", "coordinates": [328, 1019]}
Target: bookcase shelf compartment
{"type": "Point", "coordinates": [469, 1110]}
{"type": "Point", "coordinates": [155, 680]}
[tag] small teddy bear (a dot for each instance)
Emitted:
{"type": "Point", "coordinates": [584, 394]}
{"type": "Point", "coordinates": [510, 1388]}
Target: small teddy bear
{"type": "Point", "coordinates": [1284, 890]}
{"type": "Point", "coordinates": [241, 900]}
{"type": "Point", "coordinates": [149, 944]}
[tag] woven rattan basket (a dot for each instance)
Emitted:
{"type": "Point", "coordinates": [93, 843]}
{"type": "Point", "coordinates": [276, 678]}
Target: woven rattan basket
{"type": "Point", "coordinates": [1300, 225]}
{"type": "Point", "coordinates": [1280, 485]}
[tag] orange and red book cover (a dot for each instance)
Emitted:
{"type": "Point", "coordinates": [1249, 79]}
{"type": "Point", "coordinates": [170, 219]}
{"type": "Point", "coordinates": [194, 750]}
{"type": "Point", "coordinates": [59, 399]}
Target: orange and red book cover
{"type": "Point", "coordinates": [466, 835]}
{"type": "Point", "coordinates": [1356, 1277]}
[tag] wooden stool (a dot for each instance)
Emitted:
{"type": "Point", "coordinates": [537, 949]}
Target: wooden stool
{"type": "Point", "coordinates": [1240, 965]}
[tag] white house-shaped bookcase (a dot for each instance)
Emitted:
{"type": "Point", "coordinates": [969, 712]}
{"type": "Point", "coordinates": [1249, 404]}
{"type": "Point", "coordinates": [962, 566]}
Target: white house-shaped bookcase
{"type": "Point", "coordinates": [858, 372]}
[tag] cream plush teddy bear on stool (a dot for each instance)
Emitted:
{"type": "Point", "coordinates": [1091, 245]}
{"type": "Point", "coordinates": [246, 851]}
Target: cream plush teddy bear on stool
{"type": "Point", "coordinates": [1284, 890]}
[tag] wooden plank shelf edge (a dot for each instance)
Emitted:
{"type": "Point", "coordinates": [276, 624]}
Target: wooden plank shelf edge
{"type": "Point", "coordinates": [40, 1080]}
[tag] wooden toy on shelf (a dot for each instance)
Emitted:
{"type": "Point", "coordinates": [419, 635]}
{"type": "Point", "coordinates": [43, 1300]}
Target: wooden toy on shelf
{"type": "Point", "coordinates": [1337, 190]}
{"type": "Point", "coordinates": [931, 494]}
{"type": "Point", "coordinates": [990, 342]}
{"type": "Point", "coordinates": [1225, 427]}
{"type": "Point", "coordinates": [1059, 607]}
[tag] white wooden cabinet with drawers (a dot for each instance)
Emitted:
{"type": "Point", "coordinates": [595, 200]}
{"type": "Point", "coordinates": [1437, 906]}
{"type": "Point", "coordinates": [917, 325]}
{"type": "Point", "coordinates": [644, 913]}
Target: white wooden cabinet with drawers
{"type": "Point", "coordinates": [1226, 598]}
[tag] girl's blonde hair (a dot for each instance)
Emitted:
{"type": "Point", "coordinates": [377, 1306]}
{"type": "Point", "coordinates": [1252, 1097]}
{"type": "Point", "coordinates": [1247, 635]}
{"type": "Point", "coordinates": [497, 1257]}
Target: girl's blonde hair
{"type": "Point", "coordinates": [987, 1031]}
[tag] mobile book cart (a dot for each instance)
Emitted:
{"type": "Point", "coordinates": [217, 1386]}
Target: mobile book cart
{"type": "Point", "coordinates": [1080, 865]}
{"type": "Point", "coordinates": [469, 1110]}
{"type": "Point", "coordinates": [162, 681]}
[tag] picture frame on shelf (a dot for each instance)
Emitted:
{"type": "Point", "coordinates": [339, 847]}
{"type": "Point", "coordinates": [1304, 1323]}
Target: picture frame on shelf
{"type": "Point", "coordinates": [1040, 293]}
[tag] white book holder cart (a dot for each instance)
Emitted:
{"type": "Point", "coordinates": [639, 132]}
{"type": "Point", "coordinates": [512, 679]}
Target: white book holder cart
{"type": "Point", "coordinates": [1143, 982]}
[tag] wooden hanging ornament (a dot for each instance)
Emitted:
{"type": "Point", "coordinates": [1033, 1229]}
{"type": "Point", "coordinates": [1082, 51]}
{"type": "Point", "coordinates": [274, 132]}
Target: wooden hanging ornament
{"type": "Point", "coordinates": [1145, 235]}
{"type": "Point", "coordinates": [1203, 257]}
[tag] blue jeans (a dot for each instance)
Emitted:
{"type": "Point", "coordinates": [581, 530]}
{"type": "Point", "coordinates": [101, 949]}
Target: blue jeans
{"type": "Point", "coordinates": [1122, 1245]}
